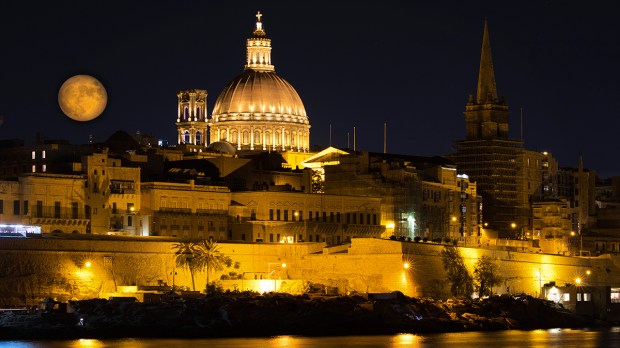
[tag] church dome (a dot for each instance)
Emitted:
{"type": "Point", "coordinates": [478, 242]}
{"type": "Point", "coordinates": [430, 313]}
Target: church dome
{"type": "Point", "coordinates": [260, 92]}
{"type": "Point", "coordinates": [222, 147]}
{"type": "Point", "coordinates": [259, 110]}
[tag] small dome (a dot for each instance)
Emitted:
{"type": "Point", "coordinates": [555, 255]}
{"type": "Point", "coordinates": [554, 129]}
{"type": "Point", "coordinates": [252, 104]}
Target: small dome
{"type": "Point", "coordinates": [222, 147]}
{"type": "Point", "coordinates": [259, 92]}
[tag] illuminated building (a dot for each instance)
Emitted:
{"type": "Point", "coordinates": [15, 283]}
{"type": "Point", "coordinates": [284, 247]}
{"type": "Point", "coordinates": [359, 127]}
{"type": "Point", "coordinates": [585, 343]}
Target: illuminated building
{"type": "Point", "coordinates": [184, 210]}
{"type": "Point", "coordinates": [259, 110]}
{"type": "Point", "coordinates": [192, 118]}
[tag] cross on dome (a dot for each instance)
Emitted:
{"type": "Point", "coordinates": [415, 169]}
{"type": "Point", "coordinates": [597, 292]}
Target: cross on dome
{"type": "Point", "coordinates": [258, 15]}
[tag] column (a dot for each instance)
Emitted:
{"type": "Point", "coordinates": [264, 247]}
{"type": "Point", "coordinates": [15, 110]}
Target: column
{"type": "Point", "coordinates": [264, 140]}
{"type": "Point", "coordinates": [251, 138]}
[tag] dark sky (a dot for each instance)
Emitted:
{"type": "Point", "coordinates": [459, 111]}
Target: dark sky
{"type": "Point", "coordinates": [410, 64]}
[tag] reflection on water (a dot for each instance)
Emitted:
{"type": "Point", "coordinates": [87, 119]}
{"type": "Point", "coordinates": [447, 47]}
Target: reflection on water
{"type": "Point", "coordinates": [607, 337]}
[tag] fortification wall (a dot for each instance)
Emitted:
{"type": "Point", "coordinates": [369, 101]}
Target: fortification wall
{"type": "Point", "coordinates": [32, 269]}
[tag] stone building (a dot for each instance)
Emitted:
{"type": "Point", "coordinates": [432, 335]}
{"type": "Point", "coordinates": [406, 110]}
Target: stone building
{"type": "Point", "coordinates": [420, 196]}
{"type": "Point", "coordinates": [192, 119]}
{"type": "Point", "coordinates": [55, 202]}
{"type": "Point", "coordinates": [184, 210]}
{"type": "Point", "coordinates": [112, 194]}
{"type": "Point", "coordinates": [552, 227]}
{"type": "Point", "coordinates": [289, 217]}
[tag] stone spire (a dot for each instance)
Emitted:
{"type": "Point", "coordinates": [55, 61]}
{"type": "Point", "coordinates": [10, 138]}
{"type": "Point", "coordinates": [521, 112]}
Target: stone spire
{"type": "Point", "coordinates": [487, 90]}
{"type": "Point", "coordinates": [259, 49]}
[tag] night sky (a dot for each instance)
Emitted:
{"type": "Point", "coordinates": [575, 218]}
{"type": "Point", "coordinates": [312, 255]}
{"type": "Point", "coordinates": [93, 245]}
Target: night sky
{"type": "Point", "coordinates": [409, 64]}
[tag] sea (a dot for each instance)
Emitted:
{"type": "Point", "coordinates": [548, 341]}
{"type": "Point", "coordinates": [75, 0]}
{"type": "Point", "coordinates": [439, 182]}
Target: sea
{"type": "Point", "coordinates": [565, 338]}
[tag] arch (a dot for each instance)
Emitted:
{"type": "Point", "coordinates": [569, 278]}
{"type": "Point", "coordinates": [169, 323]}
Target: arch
{"type": "Point", "coordinates": [278, 138]}
{"type": "Point", "coordinates": [57, 231]}
{"type": "Point", "coordinates": [198, 113]}
{"type": "Point", "coordinates": [257, 138]}
{"type": "Point", "coordinates": [198, 137]}
{"type": "Point", "coordinates": [186, 137]}
{"type": "Point", "coordinates": [223, 135]}
{"type": "Point", "coordinates": [268, 137]}
{"type": "Point", "coordinates": [185, 113]}
{"type": "Point", "coordinates": [233, 137]}
{"type": "Point", "coordinates": [245, 137]}
{"type": "Point", "coordinates": [75, 232]}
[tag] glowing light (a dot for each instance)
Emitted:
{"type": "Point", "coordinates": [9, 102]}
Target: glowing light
{"type": "Point", "coordinates": [578, 281]}
{"type": "Point", "coordinates": [588, 272]}
{"type": "Point", "coordinates": [284, 265]}
{"type": "Point", "coordinates": [406, 339]}
{"type": "Point", "coordinates": [390, 225]}
{"type": "Point", "coordinates": [406, 265]}
{"type": "Point", "coordinates": [454, 218]}
{"type": "Point", "coordinates": [486, 224]}
{"type": "Point", "coordinates": [513, 225]}
{"type": "Point", "coordinates": [87, 264]}
{"type": "Point", "coordinates": [86, 342]}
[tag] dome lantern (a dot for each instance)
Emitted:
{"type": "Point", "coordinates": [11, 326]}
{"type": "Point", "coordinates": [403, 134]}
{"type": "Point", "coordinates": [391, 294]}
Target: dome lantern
{"type": "Point", "coordinates": [259, 49]}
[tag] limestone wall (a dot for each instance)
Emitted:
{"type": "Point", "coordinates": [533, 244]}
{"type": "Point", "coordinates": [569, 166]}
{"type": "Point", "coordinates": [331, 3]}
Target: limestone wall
{"type": "Point", "coordinates": [32, 269]}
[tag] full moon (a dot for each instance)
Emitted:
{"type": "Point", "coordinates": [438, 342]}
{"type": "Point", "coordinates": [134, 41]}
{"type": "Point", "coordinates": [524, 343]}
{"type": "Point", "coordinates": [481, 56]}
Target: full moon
{"type": "Point", "coordinates": [82, 97]}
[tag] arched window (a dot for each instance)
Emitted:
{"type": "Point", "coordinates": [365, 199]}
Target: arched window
{"type": "Point", "coordinates": [233, 137]}
{"type": "Point", "coordinates": [185, 113]}
{"type": "Point", "coordinates": [278, 138]}
{"type": "Point", "coordinates": [223, 135]}
{"type": "Point", "coordinates": [268, 138]}
{"type": "Point", "coordinates": [198, 114]}
{"type": "Point", "coordinates": [198, 138]}
{"type": "Point", "coordinates": [246, 137]}
{"type": "Point", "coordinates": [186, 137]}
{"type": "Point", "coordinates": [294, 139]}
{"type": "Point", "coordinates": [257, 139]}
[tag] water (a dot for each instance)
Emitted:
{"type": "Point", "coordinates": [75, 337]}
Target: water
{"type": "Point", "coordinates": [565, 338]}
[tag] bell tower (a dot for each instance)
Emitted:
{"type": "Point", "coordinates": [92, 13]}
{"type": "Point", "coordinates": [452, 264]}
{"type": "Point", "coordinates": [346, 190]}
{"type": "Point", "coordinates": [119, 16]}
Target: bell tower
{"type": "Point", "coordinates": [192, 118]}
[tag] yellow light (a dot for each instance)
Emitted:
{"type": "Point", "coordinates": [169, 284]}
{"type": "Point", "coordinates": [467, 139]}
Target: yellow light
{"type": "Point", "coordinates": [588, 272]}
{"type": "Point", "coordinates": [513, 225]}
{"type": "Point", "coordinates": [572, 233]}
{"type": "Point", "coordinates": [454, 218]}
{"type": "Point", "coordinates": [578, 281]}
{"type": "Point", "coordinates": [87, 264]}
{"type": "Point", "coordinates": [390, 225]}
{"type": "Point", "coordinates": [284, 265]}
{"type": "Point", "coordinates": [406, 265]}
{"type": "Point", "coordinates": [486, 224]}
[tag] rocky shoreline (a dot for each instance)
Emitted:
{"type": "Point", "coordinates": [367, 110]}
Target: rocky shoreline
{"type": "Point", "coordinates": [252, 315]}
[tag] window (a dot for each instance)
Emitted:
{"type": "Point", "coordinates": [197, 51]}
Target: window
{"type": "Point", "coordinates": [57, 210]}
{"type": "Point", "coordinates": [331, 216]}
{"type": "Point", "coordinates": [43, 154]}
{"type": "Point", "coordinates": [16, 209]}
{"type": "Point", "coordinates": [74, 210]}
{"type": "Point", "coordinates": [301, 215]}
{"type": "Point", "coordinates": [1, 206]}
{"type": "Point", "coordinates": [566, 297]}
{"type": "Point", "coordinates": [615, 295]}
{"type": "Point", "coordinates": [271, 214]}
{"type": "Point", "coordinates": [316, 216]}
{"type": "Point", "coordinates": [338, 216]}
{"type": "Point", "coordinates": [44, 168]}
{"type": "Point", "coordinates": [253, 214]}
{"type": "Point", "coordinates": [309, 238]}
{"type": "Point", "coordinates": [361, 218]}
{"type": "Point", "coordinates": [278, 215]}
{"type": "Point", "coordinates": [578, 297]}
{"type": "Point", "coordinates": [129, 221]}
{"type": "Point", "coordinates": [271, 237]}
{"type": "Point", "coordinates": [587, 296]}
{"type": "Point", "coordinates": [278, 237]}
{"type": "Point", "coordinates": [114, 209]}
{"type": "Point", "coordinates": [285, 214]}
{"type": "Point", "coordinates": [34, 168]}
{"type": "Point", "coordinates": [310, 215]}
{"type": "Point", "coordinates": [34, 155]}
{"type": "Point", "coordinates": [39, 208]}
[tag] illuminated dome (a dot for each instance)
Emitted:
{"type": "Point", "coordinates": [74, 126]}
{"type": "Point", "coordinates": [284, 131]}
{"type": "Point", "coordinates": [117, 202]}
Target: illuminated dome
{"type": "Point", "coordinates": [261, 93]}
{"type": "Point", "coordinates": [259, 110]}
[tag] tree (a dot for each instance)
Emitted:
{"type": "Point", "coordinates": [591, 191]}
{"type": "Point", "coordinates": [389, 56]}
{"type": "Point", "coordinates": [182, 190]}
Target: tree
{"type": "Point", "coordinates": [487, 276]}
{"type": "Point", "coordinates": [184, 257]}
{"type": "Point", "coordinates": [207, 256]}
{"type": "Point", "coordinates": [457, 274]}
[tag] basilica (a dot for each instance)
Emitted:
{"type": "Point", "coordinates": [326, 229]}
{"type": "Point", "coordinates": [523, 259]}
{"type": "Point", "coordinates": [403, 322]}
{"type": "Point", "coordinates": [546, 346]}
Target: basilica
{"type": "Point", "coordinates": [257, 110]}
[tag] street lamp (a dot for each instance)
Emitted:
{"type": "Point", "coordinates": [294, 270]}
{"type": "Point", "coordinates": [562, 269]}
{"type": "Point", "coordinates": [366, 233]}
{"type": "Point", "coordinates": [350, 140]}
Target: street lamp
{"type": "Point", "coordinates": [269, 272]}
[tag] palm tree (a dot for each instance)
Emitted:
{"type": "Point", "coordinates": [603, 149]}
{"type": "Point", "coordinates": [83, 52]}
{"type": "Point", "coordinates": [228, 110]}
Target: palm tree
{"type": "Point", "coordinates": [207, 255]}
{"type": "Point", "coordinates": [184, 257]}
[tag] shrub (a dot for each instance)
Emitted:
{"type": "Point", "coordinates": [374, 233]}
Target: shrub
{"type": "Point", "coordinates": [417, 239]}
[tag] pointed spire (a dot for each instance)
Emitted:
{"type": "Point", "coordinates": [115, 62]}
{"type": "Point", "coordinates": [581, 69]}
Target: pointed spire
{"type": "Point", "coordinates": [258, 47]}
{"type": "Point", "coordinates": [487, 90]}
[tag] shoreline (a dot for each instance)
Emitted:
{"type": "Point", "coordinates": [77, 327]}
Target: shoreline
{"type": "Point", "coordinates": [242, 315]}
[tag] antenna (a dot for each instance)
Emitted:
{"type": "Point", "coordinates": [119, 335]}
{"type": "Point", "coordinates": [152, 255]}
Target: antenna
{"type": "Point", "coordinates": [384, 137]}
{"type": "Point", "coordinates": [330, 134]}
{"type": "Point", "coordinates": [521, 124]}
{"type": "Point", "coordinates": [354, 138]}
